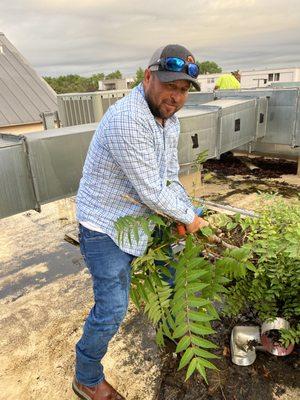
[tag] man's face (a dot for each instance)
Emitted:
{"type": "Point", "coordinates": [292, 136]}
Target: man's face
{"type": "Point", "coordinates": [164, 99]}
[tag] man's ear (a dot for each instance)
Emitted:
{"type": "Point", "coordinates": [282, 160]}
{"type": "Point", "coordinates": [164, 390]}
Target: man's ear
{"type": "Point", "coordinates": [147, 76]}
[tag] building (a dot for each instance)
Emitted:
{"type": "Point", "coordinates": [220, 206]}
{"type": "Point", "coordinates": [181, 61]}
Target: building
{"type": "Point", "coordinates": [25, 98]}
{"type": "Point", "coordinates": [255, 78]}
{"type": "Point", "coordinates": [208, 81]}
{"type": "Point", "coordinates": [115, 84]}
{"type": "Point", "coordinates": [266, 77]}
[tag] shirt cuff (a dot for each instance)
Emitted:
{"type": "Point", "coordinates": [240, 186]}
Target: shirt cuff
{"type": "Point", "coordinates": [189, 216]}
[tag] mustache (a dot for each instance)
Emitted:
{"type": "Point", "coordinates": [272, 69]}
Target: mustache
{"type": "Point", "coordinates": [171, 102]}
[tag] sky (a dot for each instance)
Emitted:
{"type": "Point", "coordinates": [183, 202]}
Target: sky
{"type": "Point", "coordinates": [60, 37]}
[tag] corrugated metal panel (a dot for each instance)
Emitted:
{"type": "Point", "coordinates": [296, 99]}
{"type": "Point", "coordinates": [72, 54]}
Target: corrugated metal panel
{"type": "Point", "coordinates": [83, 108]}
{"type": "Point", "coordinates": [76, 110]}
{"type": "Point", "coordinates": [23, 94]}
{"type": "Point", "coordinates": [16, 194]}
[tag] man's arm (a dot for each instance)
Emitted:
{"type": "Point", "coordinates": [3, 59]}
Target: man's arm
{"type": "Point", "coordinates": [132, 146]}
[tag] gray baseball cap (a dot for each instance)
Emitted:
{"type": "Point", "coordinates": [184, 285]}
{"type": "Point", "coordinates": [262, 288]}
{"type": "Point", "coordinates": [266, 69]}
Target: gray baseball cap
{"type": "Point", "coordinates": [172, 50]}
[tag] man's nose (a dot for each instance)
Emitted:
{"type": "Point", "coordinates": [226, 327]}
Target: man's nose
{"type": "Point", "coordinates": [176, 95]}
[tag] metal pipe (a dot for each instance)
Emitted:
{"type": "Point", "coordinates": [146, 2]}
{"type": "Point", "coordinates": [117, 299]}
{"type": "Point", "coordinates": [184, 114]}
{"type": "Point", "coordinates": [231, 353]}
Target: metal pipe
{"type": "Point", "coordinates": [227, 207]}
{"type": "Point", "coordinates": [242, 344]}
{"type": "Point", "coordinates": [273, 345]}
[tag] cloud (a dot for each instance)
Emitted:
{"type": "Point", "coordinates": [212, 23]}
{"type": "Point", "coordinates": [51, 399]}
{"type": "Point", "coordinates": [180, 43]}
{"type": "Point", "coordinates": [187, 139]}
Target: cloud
{"type": "Point", "coordinates": [60, 37]}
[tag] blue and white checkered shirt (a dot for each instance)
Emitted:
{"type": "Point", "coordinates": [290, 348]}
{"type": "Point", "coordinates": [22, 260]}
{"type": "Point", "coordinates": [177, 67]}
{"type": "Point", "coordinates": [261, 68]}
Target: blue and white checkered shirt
{"type": "Point", "coordinates": [132, 154]}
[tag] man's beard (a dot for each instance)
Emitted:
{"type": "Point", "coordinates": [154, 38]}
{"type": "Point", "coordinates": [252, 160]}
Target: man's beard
{"type": "Point", "coordinates": [155, 109]}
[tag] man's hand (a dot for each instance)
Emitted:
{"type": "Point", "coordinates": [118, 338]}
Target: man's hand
{"type": "Point", "coordinates": [197, 224]}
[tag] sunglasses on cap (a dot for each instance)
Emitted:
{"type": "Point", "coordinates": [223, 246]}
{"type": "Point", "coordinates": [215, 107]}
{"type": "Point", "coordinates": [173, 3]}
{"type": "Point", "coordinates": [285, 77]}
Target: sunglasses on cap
{"type": "Point", "coordinates": [176, 64]}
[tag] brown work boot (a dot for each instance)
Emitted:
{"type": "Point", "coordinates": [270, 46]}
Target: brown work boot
{"type": "Point", "coordinates": [102, 391]}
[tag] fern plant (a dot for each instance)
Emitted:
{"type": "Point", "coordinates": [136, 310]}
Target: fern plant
{"type": "Point", "coordinates": [272, 288]}
{"type": "Point", "coordinates": [178, 291]}
{"type": "Point", "coordinates": [290, 336]}
{"type": "Point", "coordinates": [179, 303]}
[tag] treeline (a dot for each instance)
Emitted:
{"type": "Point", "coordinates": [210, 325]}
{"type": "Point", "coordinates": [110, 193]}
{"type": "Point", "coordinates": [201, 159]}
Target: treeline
{"type": "Point", "coordinates": [77, 83]}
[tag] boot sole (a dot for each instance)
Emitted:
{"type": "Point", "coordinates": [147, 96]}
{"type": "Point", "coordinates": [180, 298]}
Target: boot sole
{"type": "Point", "coordinates": [79, 393]}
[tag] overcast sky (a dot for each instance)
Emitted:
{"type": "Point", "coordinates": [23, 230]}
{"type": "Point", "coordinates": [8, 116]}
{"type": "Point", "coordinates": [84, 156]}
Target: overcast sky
{"type": "Point", "coordinates": [90, 36]}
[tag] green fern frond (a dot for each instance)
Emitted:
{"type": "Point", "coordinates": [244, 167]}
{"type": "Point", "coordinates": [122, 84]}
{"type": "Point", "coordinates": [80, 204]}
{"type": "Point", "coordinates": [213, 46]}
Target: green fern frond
{"type": "Point", "coordinates": [191, 310]}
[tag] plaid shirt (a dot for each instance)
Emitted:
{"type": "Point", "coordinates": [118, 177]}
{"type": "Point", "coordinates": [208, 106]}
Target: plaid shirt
{"type": "Point", "coordinates": [131, 154]}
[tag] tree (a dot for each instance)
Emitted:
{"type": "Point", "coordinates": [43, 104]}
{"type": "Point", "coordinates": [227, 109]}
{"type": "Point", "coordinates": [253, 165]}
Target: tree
{"type": "Point", "coordinates": [67, 83]}
{"type": "Point", "coordinates": [92, 82]}
{"type": "Point", "coordinates": [139, 76]}
{"type": "Point", "coordinates": [114, 75]}
{"type": "Point", "coordinates": [77, 83]}
{"type": "Point", "coordinates": [209, 67]}
{"type": "Point", "coordinates": [74, 83]}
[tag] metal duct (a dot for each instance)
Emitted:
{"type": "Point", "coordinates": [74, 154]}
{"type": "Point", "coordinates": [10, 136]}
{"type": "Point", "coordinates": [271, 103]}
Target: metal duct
{"type": "Point", "coordinates": [17, 192]}
{"type": "Point", "coordinates": [220, 126]}
{"type": "Point", "coordinates": [283, 120]}
{"type": "Point", "coordinates": [45, 166]}
{"type": "Point", "coordinates": [41, 167]}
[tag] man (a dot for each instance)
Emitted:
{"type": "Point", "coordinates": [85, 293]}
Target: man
{"type": "Point", "coordinates": [133, 154]}
{"type": "Point", "coordinates": [229, 81]}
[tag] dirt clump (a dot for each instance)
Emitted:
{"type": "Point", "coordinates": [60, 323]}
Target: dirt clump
{"type": "Point", "coordinates": [261, 167]}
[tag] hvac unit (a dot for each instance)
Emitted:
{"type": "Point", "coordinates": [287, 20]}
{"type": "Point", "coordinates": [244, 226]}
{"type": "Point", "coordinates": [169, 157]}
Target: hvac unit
{"type": "Point", "coordinates": [85, 108]}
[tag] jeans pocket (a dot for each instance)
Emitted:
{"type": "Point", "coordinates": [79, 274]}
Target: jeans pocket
{"type": "Point", "coordinates": [95, 246]}
{"type": "Point", "coordinates": [81, 245]}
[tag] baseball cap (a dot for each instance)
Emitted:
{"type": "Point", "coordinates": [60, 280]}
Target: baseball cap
{"type": "Point", "coordinates": [172, 50]}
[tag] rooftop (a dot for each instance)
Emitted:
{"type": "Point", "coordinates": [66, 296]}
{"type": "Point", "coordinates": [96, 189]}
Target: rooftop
{"type": "Point", "coordinates": [23, 93]}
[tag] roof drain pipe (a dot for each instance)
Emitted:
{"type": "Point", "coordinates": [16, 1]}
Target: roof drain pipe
{"type": "Point", "coordinates": [243, 341]}
{"type": "Point", "coordinates": [230, 209]}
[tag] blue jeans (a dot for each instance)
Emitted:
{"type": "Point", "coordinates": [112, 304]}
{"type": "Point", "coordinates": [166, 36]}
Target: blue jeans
{"type": "Point", "coordinates": [110, 270]}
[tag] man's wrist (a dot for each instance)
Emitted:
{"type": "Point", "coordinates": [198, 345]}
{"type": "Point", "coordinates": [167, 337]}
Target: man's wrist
{"type": "Point", "coordinates": [190, 216]}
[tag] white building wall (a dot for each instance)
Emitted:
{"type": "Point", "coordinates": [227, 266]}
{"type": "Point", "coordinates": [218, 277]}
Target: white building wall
{"type": "Point", "coordinates": [264, 78]}
{"type": "Point", "coordinates": [254, 78]}
{"type": "Point", "coordinates": [208, 81]}
{"type": "Point", "coordinates": [115, 84]}
{"type": "Point", "coordinates": [297, 75]}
